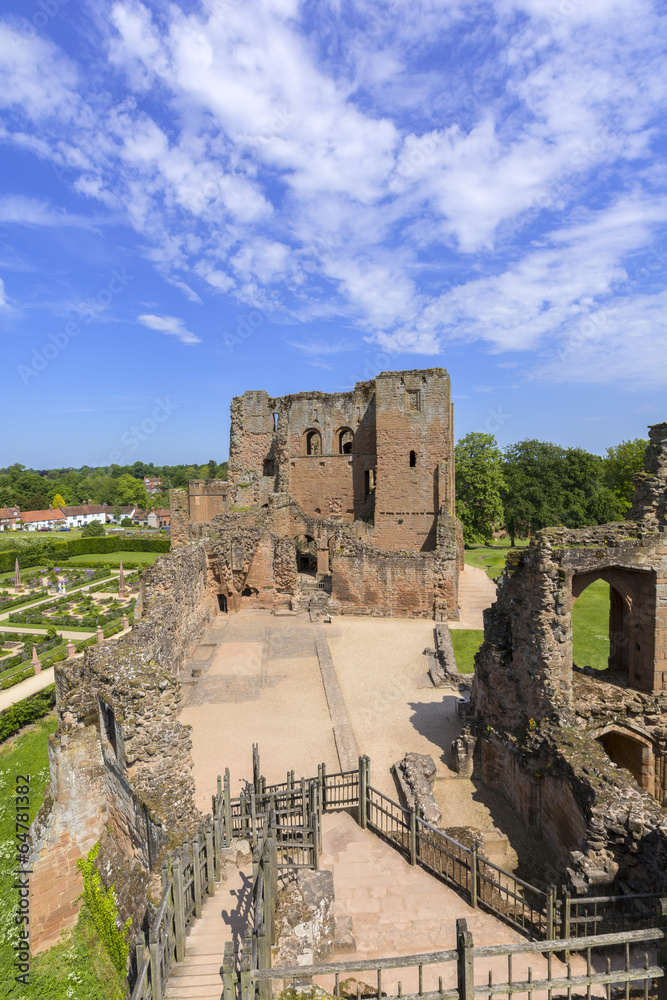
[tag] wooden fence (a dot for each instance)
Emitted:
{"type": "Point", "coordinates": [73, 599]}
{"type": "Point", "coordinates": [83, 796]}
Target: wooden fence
{"type": "Point", "coordinates": [634, 974]}
{"type": "Point", "coordinates": [283, 823]}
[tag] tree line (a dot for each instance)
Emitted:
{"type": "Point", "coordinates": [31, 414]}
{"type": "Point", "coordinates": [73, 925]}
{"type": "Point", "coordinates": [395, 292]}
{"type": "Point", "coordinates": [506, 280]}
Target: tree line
{"type": "Point", "coordinates": [114, 485]}
{"type": "Point", "coordinates": [536, 484]}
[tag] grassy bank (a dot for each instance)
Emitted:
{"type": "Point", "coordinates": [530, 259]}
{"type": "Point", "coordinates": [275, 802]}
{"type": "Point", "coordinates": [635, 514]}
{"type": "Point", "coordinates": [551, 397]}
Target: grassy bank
{"type": "Point", "coordinates": [115, 558]}
{"type": "Point", "coordinates": [466, 642]}
{"type": "Point", "coordinates": [492, 559]}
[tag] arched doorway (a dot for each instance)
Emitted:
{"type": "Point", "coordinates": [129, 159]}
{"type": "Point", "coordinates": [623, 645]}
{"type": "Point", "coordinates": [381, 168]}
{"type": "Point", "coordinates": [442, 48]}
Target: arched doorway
{"type": "Point", "coordinates": [306, 554]}
{"type": "Point", "coordinates": [590, 626]}
{"type": "Point", "coordinates": [631, 751]}
{"type": "Point", "coordinates": [619, 624]}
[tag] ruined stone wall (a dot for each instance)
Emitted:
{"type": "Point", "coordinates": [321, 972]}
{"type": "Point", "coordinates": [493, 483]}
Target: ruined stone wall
{"type": "Point", "coordinates": [548, 726]}
{"type": "Point", "coordinates": [120, 756]}
{"type": "Point", "coordinates": [269, 449]}
{"type": "Point", "coordinates": [367, 580]}
{"type": "Point", "coordinates": [378, 460]}
{"type": "Point", "coordinates": [524, 667]}
{"type": "Point", "coordinates": [67, 826]}
{"type": "Point", "coordinates": [396, 414]}
{"type": "Point", "coordinates": [544, 802]}
{"type": "Point", "coordinates": [414, 435]}
{"type": "Point", "coordinates": [650, 499]}
{"type": "Point", "coordinates": [206, 499]}
{"type": "Point", "coordinates": [179, 507]}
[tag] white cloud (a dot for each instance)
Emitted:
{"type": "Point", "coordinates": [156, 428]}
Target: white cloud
{"type": "Point", "coordinates": [35, 76]}
{"type": "Point", "coordinates": [3, 298]}
{"type": "Point", "coordinates": [336, 169]}
{"type": "Point", "coordinates": [171, 325]}
{"type": "Point", "coordinates": [33, 212]}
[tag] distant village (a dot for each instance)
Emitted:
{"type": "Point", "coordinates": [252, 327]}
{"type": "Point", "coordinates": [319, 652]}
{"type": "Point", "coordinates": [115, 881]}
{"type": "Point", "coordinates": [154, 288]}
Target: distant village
{"type": "Point", "coordinates": [66, 518]}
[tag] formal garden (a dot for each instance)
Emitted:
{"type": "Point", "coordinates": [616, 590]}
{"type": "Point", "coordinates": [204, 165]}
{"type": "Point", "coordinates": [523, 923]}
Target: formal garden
{"type": "Point", "coordinates": [91, 607]}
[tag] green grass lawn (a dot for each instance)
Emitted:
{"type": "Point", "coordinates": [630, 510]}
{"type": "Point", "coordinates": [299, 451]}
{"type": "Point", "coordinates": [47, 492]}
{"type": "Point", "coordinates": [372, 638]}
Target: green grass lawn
{"type": "Point", "coordinates": [492, 559]}
{"type": "Point", "coordinates": [79, 967]}
{"type": "Point", "coordinates": [590, 627]}
{"type": "Point", "coordinates": [466, 642]}
{"type": "Point", "coordinates": [114, 558]}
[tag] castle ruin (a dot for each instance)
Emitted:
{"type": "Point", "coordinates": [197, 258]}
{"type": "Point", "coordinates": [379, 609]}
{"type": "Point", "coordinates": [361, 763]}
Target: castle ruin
{"type": "Point", "coordinates": [356, 486]}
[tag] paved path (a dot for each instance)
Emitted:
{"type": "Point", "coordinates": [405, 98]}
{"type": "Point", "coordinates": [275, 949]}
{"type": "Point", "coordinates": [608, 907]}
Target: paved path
{"type": "Point", "coordinates": [45, 677]}
{"type": "Point", "coordinates": [477, 591]}
{"type": "Point", "coordinates": [199, 975]}
{"type": "Point", "coordinates": [25, 688]}
{"type": "Point", "coordinates": [396, 909]}
{"type": "Point", "coordinates": [259, 682]}
{"type": "Point", "coordinates": [346, 745]}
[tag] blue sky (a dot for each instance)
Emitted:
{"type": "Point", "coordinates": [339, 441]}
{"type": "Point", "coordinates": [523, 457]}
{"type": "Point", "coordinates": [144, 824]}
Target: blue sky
{"type": "Point", "coordinates": [200, 198]}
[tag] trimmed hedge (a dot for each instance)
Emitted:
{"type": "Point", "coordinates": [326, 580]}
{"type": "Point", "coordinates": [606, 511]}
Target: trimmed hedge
{"type": "Point", "coordinates": [24, 712]}
{"type": "Point", "coordinates": [116, 543]}
{"type": "Point", "coordinates": [16, 677]}
{"type": "Point", "coordinates": [35, 554]}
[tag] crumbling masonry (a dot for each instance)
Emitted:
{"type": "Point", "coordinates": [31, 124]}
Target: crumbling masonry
{"type": "Point", "coordinates": [357, 487]}
{"type": "Point", "coordinates": [582, 755]}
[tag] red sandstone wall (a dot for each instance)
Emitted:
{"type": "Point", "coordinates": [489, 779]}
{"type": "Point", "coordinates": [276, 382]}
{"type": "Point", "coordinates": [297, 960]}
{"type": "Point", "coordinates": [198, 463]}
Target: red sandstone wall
{"type": "Point", "coordinates": [546, 803]}
{"type": "Point", "coordinates": [413, 413]}
{"type": "Point", "coordinates": [206, 500]}
{"type": "Point", "coordinates": [67, 833]}
{"type": "Point", "coordinates": [372, 582]}
{"type": "Point", "coordinates": [323, 485]}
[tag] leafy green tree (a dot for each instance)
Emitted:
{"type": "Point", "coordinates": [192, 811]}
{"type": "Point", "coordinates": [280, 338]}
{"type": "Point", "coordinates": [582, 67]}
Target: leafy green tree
{"type": "Point", "coordinates": [547, 485]}
{"type": "Point", "coordinates": [479, 486]}
{"type": "Point", "coordinates": [93, 530]}
{"type": "Point", "coordinates": [623, 462]}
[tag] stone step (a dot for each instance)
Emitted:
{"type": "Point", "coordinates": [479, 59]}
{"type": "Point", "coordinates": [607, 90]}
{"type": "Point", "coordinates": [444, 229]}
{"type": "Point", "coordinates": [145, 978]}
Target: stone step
{"type": "Point", "coordinates": [201, 966]}
{"type": "Point", "coordinates": [193, 992]}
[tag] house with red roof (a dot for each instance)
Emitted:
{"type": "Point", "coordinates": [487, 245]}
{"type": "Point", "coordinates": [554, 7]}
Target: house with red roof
{"type": "Point", "coordinates": [10, 518]}
{"type": "Point", "coordinates": [38, 520]}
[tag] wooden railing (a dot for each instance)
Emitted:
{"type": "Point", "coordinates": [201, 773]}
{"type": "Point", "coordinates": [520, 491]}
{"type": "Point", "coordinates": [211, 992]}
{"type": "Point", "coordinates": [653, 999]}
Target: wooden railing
{"type": "Point", "coordinates": [467, 971]}
{"type": "Point", "coordinates": [283, 824]}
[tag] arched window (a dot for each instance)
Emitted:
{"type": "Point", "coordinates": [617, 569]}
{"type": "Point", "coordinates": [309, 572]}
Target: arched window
{"type": "Point", "coordinates": [345, 441]}
{"type": "Point", "coordinates": [413, 459]}
{"type": "Point", "coordinates": [313, 442]}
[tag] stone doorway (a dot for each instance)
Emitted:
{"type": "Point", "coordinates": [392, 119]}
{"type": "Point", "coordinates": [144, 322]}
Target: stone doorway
{"type": "Point", "coordinates": [628, 751]}
{"type": "Point", "coordinates": [631, 621]}
{"type": "Point", "coordinates": [306, 554]}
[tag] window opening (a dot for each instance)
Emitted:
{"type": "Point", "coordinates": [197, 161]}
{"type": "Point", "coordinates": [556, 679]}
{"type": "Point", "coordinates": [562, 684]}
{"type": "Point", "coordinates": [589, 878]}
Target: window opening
{"type": "Point", "coordinates": [109, 720]}
{"type": "Point", "coordinates": [313, 443]}
{"type": "Point", "coordinates": [413, 459]}
{"type": "Point", "coordinates": [275, 421]}
{"type": "Point", "coordinates": [345, 441]}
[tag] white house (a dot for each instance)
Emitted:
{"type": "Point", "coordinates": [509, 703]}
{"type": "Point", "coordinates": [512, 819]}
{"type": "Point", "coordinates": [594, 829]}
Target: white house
{"type": "Point", "coordinates": [34, 520]}
{"type": "Point", "coordinates": [77, 517]}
